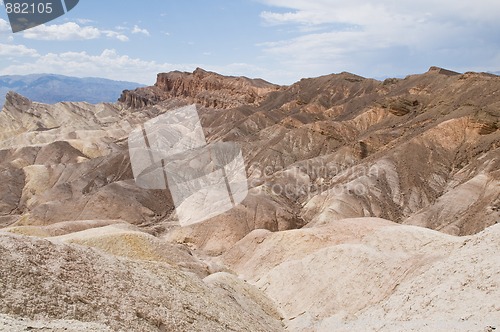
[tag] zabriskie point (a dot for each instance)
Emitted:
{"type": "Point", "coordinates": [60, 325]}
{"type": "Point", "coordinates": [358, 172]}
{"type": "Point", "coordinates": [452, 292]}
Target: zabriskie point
{"type": "Point", "coordinates": [338, 203]}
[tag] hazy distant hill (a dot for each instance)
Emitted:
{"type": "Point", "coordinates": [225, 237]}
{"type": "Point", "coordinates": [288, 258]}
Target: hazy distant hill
{"type": "Point", "coordinates": [49, 88]}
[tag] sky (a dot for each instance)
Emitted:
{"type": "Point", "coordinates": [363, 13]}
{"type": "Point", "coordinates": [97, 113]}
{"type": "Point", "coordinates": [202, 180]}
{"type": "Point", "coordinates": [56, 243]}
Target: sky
{"type": "Point", "coordinates": [280, 41]}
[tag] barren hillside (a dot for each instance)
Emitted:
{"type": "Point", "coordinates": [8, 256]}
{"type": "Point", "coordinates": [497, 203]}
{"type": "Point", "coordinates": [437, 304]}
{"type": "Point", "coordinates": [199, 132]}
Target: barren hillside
{"type": "Point", "coordinates": [372, 206]}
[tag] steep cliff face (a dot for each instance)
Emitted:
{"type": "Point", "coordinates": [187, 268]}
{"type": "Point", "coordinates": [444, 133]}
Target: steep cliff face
{"type": "Point", "coordinates": [202, 87]}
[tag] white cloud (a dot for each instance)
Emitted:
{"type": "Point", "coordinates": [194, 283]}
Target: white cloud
{"type": "Point", "coordinates": [115, 35]}
{"type": "Point", "coordinates": [84, 20]}
{"type": "Point", "coordinates": [66, 31]}
{"type": "Point", "coordinates": [4, 26]}
{"type": "Point", "coordinates": [377, 38]}
{"type": "Point", "coordinates": [70, 31]}
{"type": "Point", "coordinates": [362, 12]}
{"type": "Point", "coordinates": [136, 29]}
{"type": "Point", "coordinates": [17, 51]}
{"type": "Point", "coordinates": [108, 64]}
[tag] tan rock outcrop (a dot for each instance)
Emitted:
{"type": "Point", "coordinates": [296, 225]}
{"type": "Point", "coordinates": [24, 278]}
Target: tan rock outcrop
{"type": "Point", "coordinates": [367, 273]}
{"type": "Point", "coordinates": [48, 282]}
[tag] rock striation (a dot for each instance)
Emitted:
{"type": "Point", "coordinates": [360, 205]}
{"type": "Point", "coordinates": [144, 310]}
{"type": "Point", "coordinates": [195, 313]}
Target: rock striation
{"type": "Point", "coordinates": [202, 87]}
{"type": "Point", "coordinates": [372, 205]}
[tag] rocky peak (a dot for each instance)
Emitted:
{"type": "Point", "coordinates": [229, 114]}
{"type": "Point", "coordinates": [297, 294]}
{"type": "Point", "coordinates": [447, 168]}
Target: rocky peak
{"type": "Point", "coordinates": [200, 72]}
{"type": "Point", "coordinates": [202, 87]}
{"type": "Point", "coordinates": [442, 71]}
{"type": "Point", "coordinates": [15, 101]}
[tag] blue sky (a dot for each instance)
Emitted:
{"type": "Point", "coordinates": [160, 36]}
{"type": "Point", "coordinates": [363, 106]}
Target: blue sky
{"type": "Point", "coordinates": [278, 40]}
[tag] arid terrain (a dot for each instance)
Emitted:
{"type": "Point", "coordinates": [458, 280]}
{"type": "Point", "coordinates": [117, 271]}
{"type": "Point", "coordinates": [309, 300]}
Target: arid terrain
{"type": "Point", "coordinates": [372, 206]}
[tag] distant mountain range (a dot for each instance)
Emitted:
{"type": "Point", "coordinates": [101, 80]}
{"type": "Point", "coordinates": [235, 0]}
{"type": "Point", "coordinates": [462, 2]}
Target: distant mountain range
{"type": "Point", "coordinates": [50, 88]}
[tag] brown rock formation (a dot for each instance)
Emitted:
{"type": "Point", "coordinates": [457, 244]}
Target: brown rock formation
{"type": "Point", "coordinates": [419, 151]}
{"type": "Point", "coordinates": [407, 144]}
{"type": "Point", "coordinates": [202, 87]}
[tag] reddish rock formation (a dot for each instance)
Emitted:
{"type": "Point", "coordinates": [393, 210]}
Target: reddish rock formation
{"type": "Point", "coordinates": [202, 87]}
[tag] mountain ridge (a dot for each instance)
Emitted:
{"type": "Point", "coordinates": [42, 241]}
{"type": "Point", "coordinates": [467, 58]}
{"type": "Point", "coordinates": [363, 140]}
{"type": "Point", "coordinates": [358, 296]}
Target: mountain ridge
{"type": "Point", "coordinates": [372, 205]}
{"type": "Point", "coordinates": [53, 88]}
{"type": "Point", "coordinates": [203, 87]}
